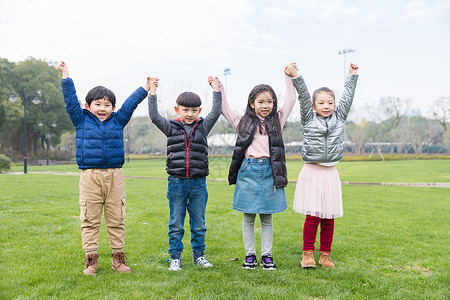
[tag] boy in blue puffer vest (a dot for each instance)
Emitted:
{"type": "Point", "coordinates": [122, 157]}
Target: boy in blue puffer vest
{"type": "Point", "coordinates": [100, 156]}
{"type": "Point", "coordinates": [187, 166]}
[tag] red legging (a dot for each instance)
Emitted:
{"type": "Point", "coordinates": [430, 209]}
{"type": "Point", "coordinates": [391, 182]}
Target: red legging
{"type": "Point", "coordinates": [310, 232]}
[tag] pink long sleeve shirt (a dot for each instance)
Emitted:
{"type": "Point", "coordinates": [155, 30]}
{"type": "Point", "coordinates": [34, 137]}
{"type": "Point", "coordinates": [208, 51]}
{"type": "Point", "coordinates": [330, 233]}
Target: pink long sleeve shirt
{"type": "Point", "coordinates": [259, 148]}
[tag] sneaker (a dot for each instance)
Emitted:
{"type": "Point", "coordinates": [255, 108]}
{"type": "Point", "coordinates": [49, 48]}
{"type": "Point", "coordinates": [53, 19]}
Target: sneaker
{"type": "Point", "coordinates": [267, 262]}
{"type": "Point", "coordinates": [203, 262]}
{"type": "Point", "coordinates": [308, 259]}
{"type": "Point", "coordinates": [325, 261]}
{"type": "Point", "coordinates": [250, 262]}
{"type": "Point", "coordinates": [175, 264]}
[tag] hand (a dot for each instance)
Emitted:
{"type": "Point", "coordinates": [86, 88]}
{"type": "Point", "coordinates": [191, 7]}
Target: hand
{"type": "Point", "coordinates": [214, 83]}
{"type": "Point", "coordinates": [151, 85]}
{"type": "Point", "coordinates": [353, 69]}
{"type": "Point", "coordinates": [62, 67]}
{"type": "Point", "coordinates": [291, 70]}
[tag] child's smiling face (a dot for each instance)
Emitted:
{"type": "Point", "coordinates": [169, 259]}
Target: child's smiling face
{"type": "Point", "coordinates": [324, 104]}
{"type": "Point", "coordinates": [263, 104]}
{"type": "Point", "coordinates": [187, 115]}
{"type": "Point", "coordinates": [101, 108]}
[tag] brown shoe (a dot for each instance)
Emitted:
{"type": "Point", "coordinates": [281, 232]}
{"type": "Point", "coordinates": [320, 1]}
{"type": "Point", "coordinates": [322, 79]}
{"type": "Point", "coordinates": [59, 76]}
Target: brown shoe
{"type": "Point", "coordinates": [118, 262]}
{"type": "Point", "coordinates": [308, 259]}
{"type": "Point", "coordinates": [324, 260]}
{"type": "Point", "coordinates": [91, 261]}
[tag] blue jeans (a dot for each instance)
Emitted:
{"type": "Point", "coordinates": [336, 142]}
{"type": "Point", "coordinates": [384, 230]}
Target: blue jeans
{"type": "Point", "coordinates": [187, 194]}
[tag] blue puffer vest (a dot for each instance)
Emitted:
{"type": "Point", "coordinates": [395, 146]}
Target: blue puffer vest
{"type": "Point", "coordinates": [187, 156]}
{"type": "Point", "coordinates": [99, 144]}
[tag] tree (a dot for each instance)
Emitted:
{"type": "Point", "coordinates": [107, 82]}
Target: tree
{"type": "Point", "coordinates": [222, 126]}
{"type": "Point", "coordinates": [144, 137]}
{"type": "Point", "coordinates": [293, 132]}
{"type": "Point", "coordinates": [7, 77]}
{"type": "Point", "coordinates": [417, 133]}
{"type": "Point", "coordinates": [440, 110]}
{"type": "Point", "coordinates": [394, 109]}
{"type": "Point", "coordinates": [359, 135]}
{"type": "Point", "coordinates": [37, 77]}
{"type": "Point", "coordinates": [446, 140]}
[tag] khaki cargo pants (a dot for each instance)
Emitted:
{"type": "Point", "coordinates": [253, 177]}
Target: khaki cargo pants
{"type": "Point", "coordinates": [102, 188]}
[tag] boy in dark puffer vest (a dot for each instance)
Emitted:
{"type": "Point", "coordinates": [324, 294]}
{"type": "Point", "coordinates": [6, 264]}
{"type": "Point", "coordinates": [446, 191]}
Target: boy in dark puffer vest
{"type": "Point", "coordinates": [187, 166]}
{"type": "Point", "coordinates": [100, 156]}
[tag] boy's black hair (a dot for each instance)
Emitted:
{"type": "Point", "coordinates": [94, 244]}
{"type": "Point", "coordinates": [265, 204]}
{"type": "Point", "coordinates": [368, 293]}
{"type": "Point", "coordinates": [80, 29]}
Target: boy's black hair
{"type": "Point", "coordinates": [189, 99]}
{"type": "Point", "coordinates": [100, 92]}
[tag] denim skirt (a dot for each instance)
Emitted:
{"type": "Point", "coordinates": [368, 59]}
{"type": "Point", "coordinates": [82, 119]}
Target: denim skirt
{"type": "Point", "coordinates": [255, 192]}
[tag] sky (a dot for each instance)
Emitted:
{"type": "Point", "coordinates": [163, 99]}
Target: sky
{"type": "Point", "coordinates": [402, 47]}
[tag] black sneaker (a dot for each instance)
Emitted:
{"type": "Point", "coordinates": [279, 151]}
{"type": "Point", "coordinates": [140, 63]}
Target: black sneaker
{"type": "Point", "coordinates": [267, 262]}
{"type": "Point", "coordinates": [250, 262]}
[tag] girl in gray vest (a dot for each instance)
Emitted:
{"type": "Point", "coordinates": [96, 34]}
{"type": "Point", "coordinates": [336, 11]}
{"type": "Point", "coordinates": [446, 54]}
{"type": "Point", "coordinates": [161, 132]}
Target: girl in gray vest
{"type": "Point", "coordinates": [318, 192]}
{"type": "Point", "coordinates": [258, 166]}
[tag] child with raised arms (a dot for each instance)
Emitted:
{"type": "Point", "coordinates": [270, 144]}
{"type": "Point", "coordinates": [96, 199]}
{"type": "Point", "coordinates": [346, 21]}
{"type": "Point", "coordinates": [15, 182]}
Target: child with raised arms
{"type": "Point", "coordinates": [258, 166]}
{"type": "Point", "coordinates": [100, 156]}
{"type": "Point", "coordinates": [187, 166]}
{"type": "Point", "coordinates": [318, 192]}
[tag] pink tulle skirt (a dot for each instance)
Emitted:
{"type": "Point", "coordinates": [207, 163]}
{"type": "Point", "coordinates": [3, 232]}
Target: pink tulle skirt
{"type": "Point", "coordinates": [318, 192]}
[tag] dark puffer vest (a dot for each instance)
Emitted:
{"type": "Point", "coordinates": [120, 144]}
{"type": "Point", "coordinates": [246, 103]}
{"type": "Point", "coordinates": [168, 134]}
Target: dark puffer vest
{"type": "Point", "coordinates": [187, 156]}
{"type": "Point", "coordinates": [277, 154]}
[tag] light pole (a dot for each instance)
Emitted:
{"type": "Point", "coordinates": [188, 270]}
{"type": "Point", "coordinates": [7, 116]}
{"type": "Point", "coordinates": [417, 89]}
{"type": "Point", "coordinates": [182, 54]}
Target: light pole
{"type": "Point", "coordinates": [47, 134]}
{"type": "Point", "coordinates": [35, 100]}
{"type": "Point", "coordinates": [344, 52]}
{"type": "Point", "coordinates": [226, 72]}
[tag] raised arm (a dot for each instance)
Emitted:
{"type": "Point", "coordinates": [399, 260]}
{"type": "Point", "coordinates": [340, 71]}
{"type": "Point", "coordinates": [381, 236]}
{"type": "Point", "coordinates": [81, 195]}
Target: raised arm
{"type": "Point", "coordinates": [289, 101]}
{"type": "Point", "coordinates": [233, 117]}
{"type": "Point", "coordinates": [344, 105]}
{"type": "Point", "coordinates": [162, 123]}
{"type": "Point", "coordinates": [72, 105]}
{"type": "Point", "coordinates": [62, 67]}
{"type": "Point", "coordinates": [212, 117]}
{"type": "Point", "coordinates": [304, 98]}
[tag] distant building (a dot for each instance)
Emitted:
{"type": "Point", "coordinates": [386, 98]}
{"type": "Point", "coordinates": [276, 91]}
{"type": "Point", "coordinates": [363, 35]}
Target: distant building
{"type": "Point", "coordinates": [222, 143]}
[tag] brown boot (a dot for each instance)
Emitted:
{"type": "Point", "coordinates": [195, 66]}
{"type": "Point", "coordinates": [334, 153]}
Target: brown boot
{"type": "Point", "coordinates": [91, 261]}
{"type": "Point", "coordinates": [308, 259]}
{"type": "Point", "coordinates": [324, 260]}
{"type": "Point", "coordinates": [118, 262]}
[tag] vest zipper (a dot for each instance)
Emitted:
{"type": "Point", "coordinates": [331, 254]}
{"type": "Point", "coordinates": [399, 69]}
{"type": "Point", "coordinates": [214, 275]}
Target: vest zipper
{"type": "Point", "coordinates": [326, 141]}
{"type": "Point", "coordinates": [104, 143]}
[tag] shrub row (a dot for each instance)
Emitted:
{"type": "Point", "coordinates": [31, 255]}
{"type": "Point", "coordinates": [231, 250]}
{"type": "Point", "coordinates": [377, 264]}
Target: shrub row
{"type": "Point", "coordinates": [345, 158]}
{"type": "Point", "coordinates": [5, 162]}
{"type": "Point", "coordinates": [386, 157]}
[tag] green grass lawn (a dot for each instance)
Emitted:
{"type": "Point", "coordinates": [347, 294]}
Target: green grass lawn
{"type": "Point", "coordinates": [391, 243]}
{"type": "Point", "coordinates": [365, 171]}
